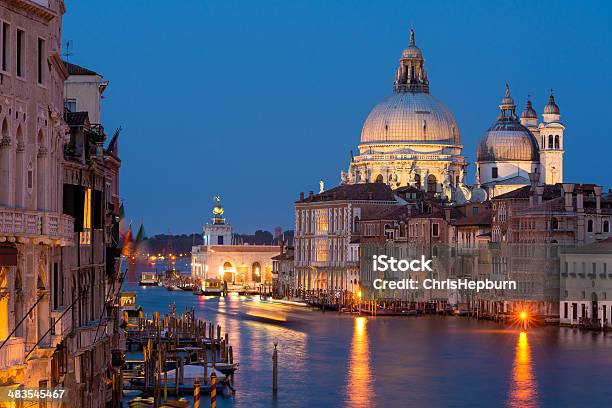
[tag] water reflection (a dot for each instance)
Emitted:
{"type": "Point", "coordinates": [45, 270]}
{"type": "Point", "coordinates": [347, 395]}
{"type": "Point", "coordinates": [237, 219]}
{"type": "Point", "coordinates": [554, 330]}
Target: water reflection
{"type": "Point", "coordinates": [523, 388]}
{"type": "Point", "coordinates": [359, 389]}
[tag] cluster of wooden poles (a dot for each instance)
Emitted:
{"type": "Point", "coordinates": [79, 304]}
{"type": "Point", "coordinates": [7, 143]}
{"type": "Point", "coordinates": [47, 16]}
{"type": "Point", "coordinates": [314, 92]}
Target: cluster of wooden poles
{"type": "Point", "coordinates": [176, 340]}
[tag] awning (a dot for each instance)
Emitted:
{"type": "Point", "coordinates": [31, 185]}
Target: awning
{"type": "Point", "coordinates": [8, 255]}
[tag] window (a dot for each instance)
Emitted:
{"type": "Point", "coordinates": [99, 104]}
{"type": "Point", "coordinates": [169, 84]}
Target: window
{"type": "Point", "coordinates": [5, 45]}
{"type": "Point", "coordinates": [565, 311]}
{"type": "Point", "coordinates": [40, 59]}
{"type": "Point", "coordinates": [220, 240]}
{"type": "Point", "coordinates": [590, 226]}
{"type": "Point", "coordinates": [606, 226]}
{"type": "Point", "coordinates": [474, 210]}
{"type": "Point", "coordinates": [19, 52]}
{"type": "Point", "coordinates": [435, 229]}
{"type": "Point", "coordinates": [70, 105]}
{"type": "Point", "coordinates": [85, 235]}
{"type": "Point", "coordinates": [550, 141]}
{"type": "Point", "coordinates": [554, 224]}
{"type": "Point", "coordinates": [30, 178]}
{"type": "Point", "coordinates": [583, 310]}
{"type": "Point", "coordinates": [574, 311]}
{"type": "Point", "coordinates": [494, 173]}
{"type": "Point", "coordinates": [556, 141]}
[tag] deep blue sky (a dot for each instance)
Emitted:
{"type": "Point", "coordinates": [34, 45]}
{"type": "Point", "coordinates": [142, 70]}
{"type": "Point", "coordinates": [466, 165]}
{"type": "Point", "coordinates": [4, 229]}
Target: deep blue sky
{"type": "Point", "coordinates": [258, 100]}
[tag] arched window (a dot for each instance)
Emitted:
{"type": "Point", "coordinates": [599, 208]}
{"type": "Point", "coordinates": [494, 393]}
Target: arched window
{"type": "Point", "coordinates": [590, 226]}
{"type": "Point", "coordinates": [379, 178]}
{"type": "Point", "coordinates": [550, 141]}
{"type": "Point", "coordinates": [556, 141]}
{"type": "Point", "coordinates": [20, 169]}
{"type": "Point", "coordinates": [431, 183]}
{"type": "Point", "coordinates": [417, 180]}
{"type": "Point", "coordinates": [606, 226]}
{"type": "Point", "coordinates": [356, 223]}
{"type": "Point", "coordinates": [5, 173]}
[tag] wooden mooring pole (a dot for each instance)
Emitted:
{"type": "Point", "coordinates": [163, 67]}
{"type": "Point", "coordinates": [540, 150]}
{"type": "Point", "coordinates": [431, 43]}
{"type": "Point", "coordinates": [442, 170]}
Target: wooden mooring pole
{"type": "Point", "coordinates": [275, 369]}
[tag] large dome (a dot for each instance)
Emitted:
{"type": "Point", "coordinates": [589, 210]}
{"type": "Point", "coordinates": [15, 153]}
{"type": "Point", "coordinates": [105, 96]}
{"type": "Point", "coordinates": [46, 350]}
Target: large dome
{"type": "Point", "coordinates": [411, 117]}
{"type": "Point", "coordinates": [507, 141]}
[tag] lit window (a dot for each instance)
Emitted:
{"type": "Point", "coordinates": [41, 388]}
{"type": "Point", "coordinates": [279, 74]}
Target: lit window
{"type": "Point", "coordinates": [85, 236]}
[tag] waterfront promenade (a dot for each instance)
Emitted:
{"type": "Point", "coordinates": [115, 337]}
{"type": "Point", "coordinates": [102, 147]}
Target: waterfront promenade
{"type": "Point", "coordinates": [330, 359]}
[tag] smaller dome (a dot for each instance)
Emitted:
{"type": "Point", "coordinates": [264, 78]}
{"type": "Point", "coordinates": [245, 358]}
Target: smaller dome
{"type": "Point", "coordinates": [551, 107]}
{"type": "Point", "coordinates": [412, 51]}
{"type": "Point", "coordinates": [507, 141]}
{"type": "Point", "coordinates": [529, 112]}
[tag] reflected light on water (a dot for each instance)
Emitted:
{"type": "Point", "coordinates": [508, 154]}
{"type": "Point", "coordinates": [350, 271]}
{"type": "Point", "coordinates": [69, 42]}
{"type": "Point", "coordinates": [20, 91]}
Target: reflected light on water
{"type": "Point", "coordinates": [523, 388]}
{"type": "Point", "coordinates": [359, 389]}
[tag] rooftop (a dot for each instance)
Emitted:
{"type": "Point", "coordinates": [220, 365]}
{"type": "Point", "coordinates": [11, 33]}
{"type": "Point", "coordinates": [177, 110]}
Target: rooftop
{"type": "Point", "coordinates": [355, 192]}
{"type": "Point", "coordinates": [74, 69]}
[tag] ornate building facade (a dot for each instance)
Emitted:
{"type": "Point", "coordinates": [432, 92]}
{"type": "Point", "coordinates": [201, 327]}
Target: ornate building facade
{"type": "Point", "coordinates": [410, 138]}
{"type": "Point", "coordinates": [58, 217]}
{"type": "Point", "coordinates": [34, 230]}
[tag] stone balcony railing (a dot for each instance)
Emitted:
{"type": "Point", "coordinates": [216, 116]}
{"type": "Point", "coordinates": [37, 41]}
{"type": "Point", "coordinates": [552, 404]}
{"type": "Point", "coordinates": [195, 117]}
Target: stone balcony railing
{"type": "Point", "coordinates": [19, 225]}
{"type": "Point", "coordinates": [12, 354]}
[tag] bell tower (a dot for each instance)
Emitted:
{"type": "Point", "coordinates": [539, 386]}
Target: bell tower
{"type": "Point", "coordinates": [218, 232]}
{"type": "Point", "coordinates": [551, 143]}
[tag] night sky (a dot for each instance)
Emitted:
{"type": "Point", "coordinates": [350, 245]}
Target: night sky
{"type": "Point", "coordinates": [257, 100]}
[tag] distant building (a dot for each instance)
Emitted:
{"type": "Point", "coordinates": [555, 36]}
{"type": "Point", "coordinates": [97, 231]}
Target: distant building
{"type": "Point", "coordinates": [220, 259]}
{"type": "Point", "coordinates": [327, 230]}
{"type": "Point", "coordinates": [586, 285]}
{"type": "Point", "coordinates": [283, 276]}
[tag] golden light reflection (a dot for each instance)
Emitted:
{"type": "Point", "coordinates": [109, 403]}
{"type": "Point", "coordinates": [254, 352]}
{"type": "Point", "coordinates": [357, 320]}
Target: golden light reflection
{"type": "Point", "coordinates": [359, 389]}
{"type": "Point", "coordinates": [523, 389]}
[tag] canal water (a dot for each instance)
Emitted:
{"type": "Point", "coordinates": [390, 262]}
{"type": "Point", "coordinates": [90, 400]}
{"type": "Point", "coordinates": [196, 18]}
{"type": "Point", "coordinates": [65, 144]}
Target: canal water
{"type": "Point", "coordinates": [328, 360]}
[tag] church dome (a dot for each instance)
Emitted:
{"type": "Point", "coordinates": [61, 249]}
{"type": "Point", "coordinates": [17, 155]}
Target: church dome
{"type": "Point", "coordinates": [410, 114]}
{"type": "Point", "coordinates": [507, 139]}
{"type": "Point", "coordinates": [507, 142]}
{"type": "Point", "coordinates": [413, 117]}
{"type": "Point", "coordinates": [529, 112]}
{"type": "Point", "coordinates": [551, 107]}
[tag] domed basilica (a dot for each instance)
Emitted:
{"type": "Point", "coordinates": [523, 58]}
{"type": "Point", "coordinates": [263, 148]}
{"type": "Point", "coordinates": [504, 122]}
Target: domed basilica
{"type": "Point", "coordinates": [412, 139]}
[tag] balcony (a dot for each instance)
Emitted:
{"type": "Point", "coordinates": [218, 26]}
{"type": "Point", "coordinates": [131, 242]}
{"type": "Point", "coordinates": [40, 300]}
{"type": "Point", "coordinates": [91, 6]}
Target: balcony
{"type": "Point", "coordinates": [12, 354]}
{"type": "Point", "coordinates": [49, 228]}
{"type": "Point", "coordinates": [62, 325]}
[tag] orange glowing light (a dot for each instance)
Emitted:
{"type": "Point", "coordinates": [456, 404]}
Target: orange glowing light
{"type": "Point", "coordinates": [359, 294]}
{"type": "Point", "coordinates": [523, 315]}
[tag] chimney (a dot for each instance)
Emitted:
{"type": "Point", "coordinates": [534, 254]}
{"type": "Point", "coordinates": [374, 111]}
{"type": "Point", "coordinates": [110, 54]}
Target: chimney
{"type": "Point", "coordinates": [579, 199]}
{"type": "Point", "coordinates": [310, 194]}
{"type": "Point", "coordinates": [533, 180]}
{"type": "Point", "coordinates": [447, 214]}
{"type": "Point", "coordinates": [539, 192]}
{"type": "Point", "coordinates": [568, 188]}
{"type": "Point", "coordinates": [302, 196]}
{"type": "Point", "coordinates": [597, 190]}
